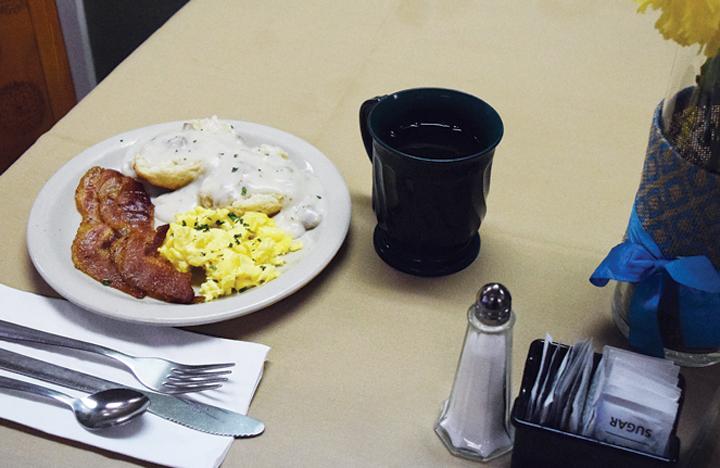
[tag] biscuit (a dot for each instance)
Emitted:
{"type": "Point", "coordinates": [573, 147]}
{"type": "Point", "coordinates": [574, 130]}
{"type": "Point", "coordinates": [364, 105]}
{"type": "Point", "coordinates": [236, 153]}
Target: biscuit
{"type": "Point", "coordinates": [172, 175]}
{"type": "Point", "coordinates": [268, 203]}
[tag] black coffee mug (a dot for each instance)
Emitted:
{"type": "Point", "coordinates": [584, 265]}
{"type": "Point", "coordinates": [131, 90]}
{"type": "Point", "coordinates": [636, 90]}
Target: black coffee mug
{"type": "Point", "coordinates": [431, 151]}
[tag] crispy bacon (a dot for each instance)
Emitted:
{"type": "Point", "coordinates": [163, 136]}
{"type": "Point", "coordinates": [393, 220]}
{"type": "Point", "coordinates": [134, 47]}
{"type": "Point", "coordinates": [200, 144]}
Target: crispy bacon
{"type": "Point", "coordinates": [123, 203]}
{"type": "Point", "coordinates": [116, 243]}
{"type": "Point", "coordinates": [86, 197]}
{"type": "Point", "coordinates": [140, 265]}
{"type": "Point", "coordinates": [91, 254]}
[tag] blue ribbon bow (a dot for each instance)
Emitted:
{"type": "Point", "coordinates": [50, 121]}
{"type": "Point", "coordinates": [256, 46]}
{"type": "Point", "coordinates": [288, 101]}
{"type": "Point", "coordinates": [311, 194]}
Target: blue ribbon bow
{"type": "Point", "coordinates": [638, 260]}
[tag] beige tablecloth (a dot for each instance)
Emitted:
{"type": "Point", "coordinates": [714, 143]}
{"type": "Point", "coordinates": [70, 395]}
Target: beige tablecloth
{"type": "Point", "coordinates": [363, 356]}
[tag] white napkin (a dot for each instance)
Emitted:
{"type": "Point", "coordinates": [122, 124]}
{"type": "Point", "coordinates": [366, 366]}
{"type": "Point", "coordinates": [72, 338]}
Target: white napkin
{"type": "Point", "coordinates": [149, 438]}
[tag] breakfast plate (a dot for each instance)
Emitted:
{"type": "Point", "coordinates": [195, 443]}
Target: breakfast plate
{"type": "Point", "coordinates": [54, 220]}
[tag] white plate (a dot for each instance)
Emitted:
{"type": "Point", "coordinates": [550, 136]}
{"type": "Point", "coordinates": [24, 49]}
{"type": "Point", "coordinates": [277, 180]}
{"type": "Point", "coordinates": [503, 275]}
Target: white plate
{"type": "Point", "coordinates": [54, 221]}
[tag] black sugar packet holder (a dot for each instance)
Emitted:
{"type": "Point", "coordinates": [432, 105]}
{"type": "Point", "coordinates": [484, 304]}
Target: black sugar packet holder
{"type": "Point", "coordinates": [539, 446]}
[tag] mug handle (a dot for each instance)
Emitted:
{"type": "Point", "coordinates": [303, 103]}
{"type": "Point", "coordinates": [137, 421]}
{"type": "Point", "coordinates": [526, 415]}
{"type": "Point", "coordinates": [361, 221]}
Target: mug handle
{"type": "Point", "coordinates": [365, 110]}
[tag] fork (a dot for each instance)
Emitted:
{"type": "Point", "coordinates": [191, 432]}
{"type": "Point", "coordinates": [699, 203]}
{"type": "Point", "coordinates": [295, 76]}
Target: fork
{"type": "Point", "coordinates": [157, 374]}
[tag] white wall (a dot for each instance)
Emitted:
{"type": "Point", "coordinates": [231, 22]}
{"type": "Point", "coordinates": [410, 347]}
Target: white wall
{"type": "Point", "coordinates": [77, 44]}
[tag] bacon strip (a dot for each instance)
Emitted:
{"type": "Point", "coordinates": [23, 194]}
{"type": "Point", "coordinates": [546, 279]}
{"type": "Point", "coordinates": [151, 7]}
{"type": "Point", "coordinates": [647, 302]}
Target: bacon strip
{"type": "Point", "coordinates": [116, 243]}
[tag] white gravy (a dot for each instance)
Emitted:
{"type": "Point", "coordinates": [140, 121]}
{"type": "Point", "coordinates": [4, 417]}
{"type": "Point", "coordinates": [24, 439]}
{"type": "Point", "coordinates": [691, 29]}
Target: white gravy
{"type": "Point", "coordinates": [232, 171]}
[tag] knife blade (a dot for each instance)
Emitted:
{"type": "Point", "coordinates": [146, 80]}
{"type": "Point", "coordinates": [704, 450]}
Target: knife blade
{"type": "Point", "coordinates": [188, 413]}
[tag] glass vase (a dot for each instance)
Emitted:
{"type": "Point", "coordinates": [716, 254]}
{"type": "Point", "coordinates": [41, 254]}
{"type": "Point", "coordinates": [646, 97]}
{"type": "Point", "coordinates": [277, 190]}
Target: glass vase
{"type": "Point", "coordinates": [691, 108]}
{"type": "Point", "coordinates": [678, 196]}
{"type": "Point", "coordinates": [674, 348]}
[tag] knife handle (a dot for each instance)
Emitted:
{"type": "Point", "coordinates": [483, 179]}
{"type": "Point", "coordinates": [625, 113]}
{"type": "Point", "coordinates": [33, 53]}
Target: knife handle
{"type": "Point", "coordinates": [42, 370]}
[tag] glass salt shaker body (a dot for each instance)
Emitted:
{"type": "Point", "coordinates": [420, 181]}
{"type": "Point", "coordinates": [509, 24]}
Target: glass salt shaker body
{"type": "Point", "coordinates": [474, 421]}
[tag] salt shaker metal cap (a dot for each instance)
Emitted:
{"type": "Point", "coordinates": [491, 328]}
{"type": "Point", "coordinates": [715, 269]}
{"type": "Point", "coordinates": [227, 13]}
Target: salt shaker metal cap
{"type": "Point", "coordinates": [493, 305]}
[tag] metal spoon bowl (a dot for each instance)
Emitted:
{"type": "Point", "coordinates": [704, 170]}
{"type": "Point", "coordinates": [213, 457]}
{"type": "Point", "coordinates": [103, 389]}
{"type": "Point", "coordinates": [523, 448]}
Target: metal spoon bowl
{"type": "Point", "coordinates": [99, 410]}
{"type": "Point", "coordinates": [109, 407]}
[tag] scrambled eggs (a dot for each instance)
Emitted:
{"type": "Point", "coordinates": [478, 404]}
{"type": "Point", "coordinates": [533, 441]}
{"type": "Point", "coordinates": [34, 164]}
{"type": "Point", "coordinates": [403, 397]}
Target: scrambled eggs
{"type": "Point", "coordinates": [236, 252]}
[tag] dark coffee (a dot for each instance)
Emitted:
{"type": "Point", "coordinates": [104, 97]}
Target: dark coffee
{"type": "Point", "coordinates": [433, 140]}
{"type": "Point", "coordinates": [431, 151]}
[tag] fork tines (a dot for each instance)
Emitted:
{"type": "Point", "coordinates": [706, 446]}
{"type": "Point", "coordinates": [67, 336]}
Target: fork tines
{"type": "Point", "coordinates": [187, 378]}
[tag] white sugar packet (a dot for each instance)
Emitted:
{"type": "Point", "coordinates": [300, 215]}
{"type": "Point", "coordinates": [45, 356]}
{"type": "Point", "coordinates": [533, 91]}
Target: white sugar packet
{"type": "Point", "coordinates": [149, 438]}
{"type": "Point", "coordinates": [580, 398]}
{"type": "Point", "coordinates": [634, 401]}
{"type": "Point", "coordinates": [631, 424]}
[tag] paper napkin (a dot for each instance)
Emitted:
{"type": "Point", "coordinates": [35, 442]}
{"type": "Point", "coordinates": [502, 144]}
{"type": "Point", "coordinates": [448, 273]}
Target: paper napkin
{"type": "Point", "coordinates": [149, 438]}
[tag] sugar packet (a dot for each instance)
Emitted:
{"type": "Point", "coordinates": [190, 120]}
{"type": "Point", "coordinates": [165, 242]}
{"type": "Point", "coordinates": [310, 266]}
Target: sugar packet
{"type": "Point", "coordinates": [634, 401]}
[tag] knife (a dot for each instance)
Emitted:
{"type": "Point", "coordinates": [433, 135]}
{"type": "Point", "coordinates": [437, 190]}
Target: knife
{"type": "Point", "coordinates": [188, 413]}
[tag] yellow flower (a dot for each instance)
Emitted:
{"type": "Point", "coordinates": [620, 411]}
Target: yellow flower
{"type": "Point", "coordinates": [688, 22]}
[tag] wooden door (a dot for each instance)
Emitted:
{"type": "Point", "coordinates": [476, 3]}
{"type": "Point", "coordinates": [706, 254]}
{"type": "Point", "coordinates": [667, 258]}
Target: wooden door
{"type": "Point", "coordinates": [35, 83]}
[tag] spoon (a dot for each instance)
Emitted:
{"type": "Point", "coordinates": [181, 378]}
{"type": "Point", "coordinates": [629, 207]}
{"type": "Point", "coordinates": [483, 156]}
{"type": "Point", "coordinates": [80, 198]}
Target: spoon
{"type": "Point", "coordinates": [99, 410]}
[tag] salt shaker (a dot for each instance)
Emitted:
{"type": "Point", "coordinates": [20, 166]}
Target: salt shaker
{"type": "Point", "coordinates": [474, 421]}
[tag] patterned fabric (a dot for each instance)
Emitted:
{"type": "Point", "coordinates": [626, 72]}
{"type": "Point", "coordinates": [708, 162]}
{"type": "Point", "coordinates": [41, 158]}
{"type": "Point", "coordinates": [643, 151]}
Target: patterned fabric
{"type": "Point", "coordinates": [678, 203]}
